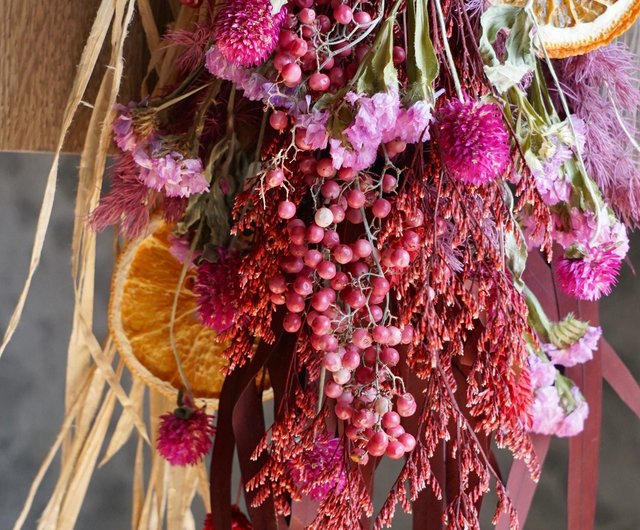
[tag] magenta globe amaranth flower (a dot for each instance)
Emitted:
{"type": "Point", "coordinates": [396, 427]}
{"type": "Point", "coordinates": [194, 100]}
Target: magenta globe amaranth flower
{"type": "Point", "coordinates": [184, 436]}
{"type": "Point", "coordinates": [474, 144]}
{"type": "Point", "coordinates": [247, 31]}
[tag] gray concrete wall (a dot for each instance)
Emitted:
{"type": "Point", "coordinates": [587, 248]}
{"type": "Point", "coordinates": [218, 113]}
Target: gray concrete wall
{"type": "Point", "coordinates": [33, 367]}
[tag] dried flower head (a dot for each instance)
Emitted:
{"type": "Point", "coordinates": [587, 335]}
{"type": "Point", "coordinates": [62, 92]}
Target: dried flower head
{"type": "Point", "coordinates": [184, 435]}
{"type": "Point", "coordinates": [239, 520]}
{"type": "Point", "coordinates": [248, 31]}
{"type": "Point", "coordinates": [474, 144]}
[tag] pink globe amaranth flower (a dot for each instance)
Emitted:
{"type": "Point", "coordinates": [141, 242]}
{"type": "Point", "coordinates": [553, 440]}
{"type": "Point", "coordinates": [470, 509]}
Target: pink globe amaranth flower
{"type": "Point", "coordinates": [185, 436]}
{"type": "Point", "coordinates": [474, 144]}
{"type": "Point", "coordinates": [217, 289]}
{"type": "Point", "coordinates": [247, 31]}
{"type": "Point", "coordinates": [595, 271]}
{"type": "Point", "coordinates": [239, 520]}
{"type": "Point", "coordinates": [311, 471]}
{"type": "Point", "coordinates": [579, 352]}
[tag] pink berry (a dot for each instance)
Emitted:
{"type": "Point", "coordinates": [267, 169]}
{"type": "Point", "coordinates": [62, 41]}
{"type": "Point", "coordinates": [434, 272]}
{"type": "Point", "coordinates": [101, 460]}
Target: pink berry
{"type": "Point", "coordinates": [325, 169]}
{"type": "Point", "coordinates": [355, 198]}
{"type": "Point", "coordinates": [307, 15]}
{"type": "Point", "coordinates": [411, 240]}
{"type": "Point", "coordinates": [312, 258]}
{"type": "Point", "coordinates": [351, 432]}
{"type": "Point", "coordinates": [396, 431]}
{"type": "Point", "coordinates": [400, 258]}
{"type": "Point", "coordinates": [380, 285]}
{"type": "Point", "coordinates": [326, 270]}
{"type": "Point", "coordinates": [286, 210]}
{"type": "Point", "coordinates": [389, 183]}
{"type": "Point", "coordinates": [382, 405]}
{"type": "Point", "coordinates": [314, 234]}
{"type": "Point", "coordinates": [303, 286]}
{"type": "Point", "coordinates": [343, 410]}
{"type": "Point", "coordinates": [278, 120]}
{"type": "Point", "coordinates": [378, 444]}
{"type": "Point", "coordinates": [395, 336]}
{"type": "Point", "coordinates": [347, 174]}
{"type": "Point", "coordinates": [380, 334]}
{"type": "Point", "coordinates": [297, 250]}
{"type": "Point", "coordinates": [381, 208]}
{"type": "Point", "coordinates": [362, 248]}
{"type": "Point", "coordinates": [331, 239]}
{"type": "Point", "coordinates": [332, 390]}
{"type": "Point", "coordinates": [365, 375]}
{"type": "Point", "coordinates": [395, 450]}
{"type": "Point", "coordinates": [277, 298]}
{"type": "Point", "coordinates": [281, 59]}
{"type": "Point", "coordinates": [354, 216]}
{"type": "Point", "coordinates": [406, 405]}
{"type": "Point", "coordinates": [323, 217]}
{"type": "Point", "coordinates": [343, 14]}
{"type": "Point", "coordinates": [399, 55]}
{"type": "Point", "coordinates": [342, 376]}
{"type": "Point", "coordinates": [286, 38]}
{"type": "Point", "coordinates": [307, 165]}
{"type": "Point", "coordinates": [321, 300]}
{"type": "Point", "coordinates": [361, 338]}
{"type": "Point", "coordinates": [362, 17]}
{"type": "Point", "coordinates": [319, 82]}
{"type": "Point", "coordinates": [278, 284]}
{"type": "Point", "coordinates": [291, 322]}
{"type": "Point", "coordinates": [390, 419]}
{"type": "Point", "coordinates": [343, 254]}
{"type": "Point", "coordinates": [340, 282]}
{"type": "Point", "coordinates": [389, 356]}
{"type": "Point", "coordinates": [376, 312]}
{"type": "Point", "coordinates": [321, 325]}
{"type": "Point", "coordinates": [407, 335]}
{"type": "Point", "coordinates": [298, 47]}
{"type": "Point", "coordinates": [351, 360]}
{"type": "Point", "coordinates": [408, 440]}
{"type": "Point", "coordinates": [332, 362]}
{"type": "Point", "coordinates": [294, 302]}
{"type": "Point", "coordinates": [330, 190]}
{"type": "Point", "coordinates": [354, 297]}
{"type": "Point", "coordinates": [292, 74]}
{"type": "Point", "coordinates": [338, 212]}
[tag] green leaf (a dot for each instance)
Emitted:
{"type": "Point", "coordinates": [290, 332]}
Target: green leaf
{"type": "Point", "coordinates": [377, 73]}
{"type": "Point", "coordinates": [520, 56]}
{"type": "Point", "coordinates": [422, 63]}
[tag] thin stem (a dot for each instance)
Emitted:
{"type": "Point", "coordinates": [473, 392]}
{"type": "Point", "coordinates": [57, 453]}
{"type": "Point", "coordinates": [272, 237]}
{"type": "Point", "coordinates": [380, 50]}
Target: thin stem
{"type": "Point", "coordinates": [174, 310]}
{"type": "Point", "coordinates": [447, 50]}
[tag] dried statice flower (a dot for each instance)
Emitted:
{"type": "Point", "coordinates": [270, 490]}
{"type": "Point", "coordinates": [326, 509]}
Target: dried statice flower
{"type": "Point", "coordinates": [123, 129]}
{"type": "Point", "coordinates": [594, 82]}
{"type": "Point", "coordinates": [473, 141]}
{"type": "Point", "coordinates": [412, 125]}
{"type": "Point", "coordinates": [217, 289]}
{"type": "Point", "coordinates": [579, 352]}
{"type": "Point", "coordinates": [573, 423]}
{"type": "Point", "coordinates": [310, 467]}
{"type": "Point", "coordinates": [314, 124]}
{"type": "Point", "coordinates": [247, 31]}
{"type": "Point", "coordinates": [185, 435]}
{"type": "Point", "coordinates": [546, 412]}
{"type": "Point", "coordinates": [171, 173]}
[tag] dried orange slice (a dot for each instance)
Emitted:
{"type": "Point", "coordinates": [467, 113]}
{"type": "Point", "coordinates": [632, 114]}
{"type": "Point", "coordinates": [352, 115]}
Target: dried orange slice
{"type": "Point", "coordinates": [574, 27]}
{"type": "Point", "coordinates": [142, 293]}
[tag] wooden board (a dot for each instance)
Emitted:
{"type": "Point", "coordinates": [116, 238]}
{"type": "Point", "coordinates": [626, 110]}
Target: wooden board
{"type": "Point", "coordinates": [40, 45]}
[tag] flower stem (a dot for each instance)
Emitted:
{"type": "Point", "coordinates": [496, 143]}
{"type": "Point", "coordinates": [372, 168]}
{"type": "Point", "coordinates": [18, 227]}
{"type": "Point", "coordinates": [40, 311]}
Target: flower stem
{"type": "Point", "coordinates": [447, 50]}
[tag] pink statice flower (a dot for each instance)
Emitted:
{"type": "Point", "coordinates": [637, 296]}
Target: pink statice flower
{"type": "Point", "coordinates": [319, 471]}
{"type": "Point", "coordinates": [171, 173]}
{"type": "Point", "coordinates": [185, 436]}
{"type": "Point", "coordinates": [247, 31]}
{"type": "Point", "coordinates": [314, 124]}
{"type": "Point", "coordinates": [412, 125]}
{"type": "Point", "coordinates": [217, 289]}
{"type": "Point", "coordinates": [546, 411]}
{"type": "Point", "coordinates": [578, 228]}
{"type": "Point", "coordinates": [579, 352]}
{"type": "Point", "coordinates": [590, 270]}
{"type": "Point", "coordinates": [473, 141]}
{"type": "Point", "coordinates": [123, 130]}
{"type": "Point", "coordinates": [573, 423]}
{"type": "Point", "coordinates": [541, 371]}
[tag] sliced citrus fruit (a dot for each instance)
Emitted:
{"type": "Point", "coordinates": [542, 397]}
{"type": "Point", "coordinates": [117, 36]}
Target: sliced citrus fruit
{"type": "Point", "coordinates": [574, 27]}
{"type": "Point", "coordinates": [142, 294]}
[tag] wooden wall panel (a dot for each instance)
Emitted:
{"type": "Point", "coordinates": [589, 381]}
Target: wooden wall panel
{"type": "Point", "coordinates": [40, 46]}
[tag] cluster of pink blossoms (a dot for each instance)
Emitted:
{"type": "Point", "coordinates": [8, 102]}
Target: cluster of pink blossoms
{"type": "Point", "coordinates": [559, 408]}
{"type": "Point", "coordinates": [160, 169]}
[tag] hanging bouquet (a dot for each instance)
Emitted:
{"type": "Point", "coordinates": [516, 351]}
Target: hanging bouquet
{"type": "Point", "coordinates": [394, 219]}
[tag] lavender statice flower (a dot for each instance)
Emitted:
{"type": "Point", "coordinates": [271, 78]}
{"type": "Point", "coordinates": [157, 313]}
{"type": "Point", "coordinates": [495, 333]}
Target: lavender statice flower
{"type": "Point", "coordinates": [473, 141]}
{"type": "Point", "coordinates": [247, 31]}
{"type": "Point", "coordinates": [579, 352]}
{"type": "Point", "coordinates": [314, 124]}
{"type": "Point", "coordinates": [171, 173]}
{"type": "Point", "coordinates": [123, 131]}
{"type": "Point", "coordinates": [593, 83]}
